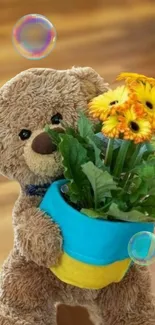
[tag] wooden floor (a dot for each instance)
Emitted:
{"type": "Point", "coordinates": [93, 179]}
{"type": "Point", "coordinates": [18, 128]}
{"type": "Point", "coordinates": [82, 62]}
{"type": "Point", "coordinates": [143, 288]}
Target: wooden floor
{"type": "Point", "coordinates": [109, 35]}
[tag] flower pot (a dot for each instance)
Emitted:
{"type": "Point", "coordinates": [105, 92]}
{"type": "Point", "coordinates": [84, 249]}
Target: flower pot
{"type": "Point", "coordinates": [95, 251]}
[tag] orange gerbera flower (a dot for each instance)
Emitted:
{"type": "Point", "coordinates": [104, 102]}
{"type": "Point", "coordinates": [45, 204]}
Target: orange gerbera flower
{"type": "Point", "coordinates": [134, 127]}
{"type": "Point", "coordinates": [133, 78]}
{"type": "Point", "coordinates": [104, 105]}
{"type": "Point", "coordinates": [111, 127]}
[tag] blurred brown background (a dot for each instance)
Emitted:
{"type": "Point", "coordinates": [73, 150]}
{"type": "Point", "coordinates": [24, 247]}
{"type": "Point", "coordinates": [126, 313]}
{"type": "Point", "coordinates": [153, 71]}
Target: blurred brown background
{"type": "Point", "coordinates": [109, 35]}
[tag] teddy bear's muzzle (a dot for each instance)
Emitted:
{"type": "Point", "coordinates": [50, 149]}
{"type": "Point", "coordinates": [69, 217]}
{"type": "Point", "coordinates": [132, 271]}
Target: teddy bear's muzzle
{"type": "Point", "coordinates": [43, 145]}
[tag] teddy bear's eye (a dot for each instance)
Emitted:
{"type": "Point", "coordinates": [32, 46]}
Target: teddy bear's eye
{"type": "Point", "coordinates": [25, 134]}
{"type": "Point", "coordinates": [56, 119]}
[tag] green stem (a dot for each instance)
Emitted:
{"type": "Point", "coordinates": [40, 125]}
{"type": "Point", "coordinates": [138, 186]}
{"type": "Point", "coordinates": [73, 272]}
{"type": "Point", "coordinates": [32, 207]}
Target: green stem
{"type": "Point", "coordinates": [125, 179]}
{"type": "Point", "coordinates": [105, 206]}
{"type": "Point", "coordinates": [95, 204]}
{"type": "Point", "coordinates": [140, 156]}
{"type": "Point", "coordinates": [134, 156]}
{"type": "Point", "coordinates": [121, 158]}
{"type": "Point", "coordinates": [109, 151]}
{"type": "Point", "coordinates": [126, 185]}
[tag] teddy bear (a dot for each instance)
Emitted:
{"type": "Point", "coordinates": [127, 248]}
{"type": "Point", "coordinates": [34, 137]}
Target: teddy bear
{"type": "Point", "coordinates": [29, 291]}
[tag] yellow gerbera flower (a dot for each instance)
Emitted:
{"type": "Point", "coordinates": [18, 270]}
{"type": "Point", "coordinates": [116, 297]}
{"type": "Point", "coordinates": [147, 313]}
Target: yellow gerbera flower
{"type": "Point", "coordinates": [146, 96]}
{"type": "Point", "coordinates": [103, 105]}
{"type": "Point", "coordinates": [111, 127]}
{"type": "Point", "coordinates": [134, 127]}
{"type": "Point", "coordinates": [133, 77]}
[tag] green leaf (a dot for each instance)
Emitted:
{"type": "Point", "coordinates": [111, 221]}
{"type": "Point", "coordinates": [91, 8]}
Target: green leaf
{"type": "Point", "coordinates": [85, 126]}
{"type": "Point", "coordinates": [152, 143]}
{"type": "Point", "coordinates": [94, 214]}
{"type": "Point", "coordinates": [98, 127]}
{"type": "Point", "coordinates": [140, 188]}
{"type": "Point", "coordinates": [54, 135]}
{"type": "Point", "coordinates": [71, 131]}
{"type": "Point", "coordinates": [73, 156]}
{"type": "Point", "coordinates": [101, 181]}
{"type": "Point", "coordinates": [140, 152]}
{"type": "Point", "coordinates": [132, 216]}
{"type": "Point", "coordinates": [75, 134]}
{"type": "Point", "coordinates": [100, 142]}
{"type": "Point", "coordinates": [72, 195]}
{"type": "Point", "coordinates": [146, 170]}
{"type": "Point", "coordinates": [151, 159]}
{"type": "Point", "coordinates": [135, 182]}
{"type": "Point", "coordinates": [117, 143]}
{"type": "Point", "coordinates": [123, 203]}
{"type": "Point", "coordinates": [150, 201]}
{"type": "Point", "coordinates": [149, 205]}
{"type": "Point", "coordinates": [97, 153]}
{"type": "Point", "coordinates": [151, 190]}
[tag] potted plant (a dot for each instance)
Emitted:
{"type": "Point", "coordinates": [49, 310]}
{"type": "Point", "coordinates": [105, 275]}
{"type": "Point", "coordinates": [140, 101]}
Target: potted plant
{"type": "Point", "coordinates": [108, 191]}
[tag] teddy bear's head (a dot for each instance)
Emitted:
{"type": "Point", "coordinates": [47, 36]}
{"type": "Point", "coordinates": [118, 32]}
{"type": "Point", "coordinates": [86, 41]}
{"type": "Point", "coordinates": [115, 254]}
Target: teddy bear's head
{"type": "Point", "coordinates": [28, 102]}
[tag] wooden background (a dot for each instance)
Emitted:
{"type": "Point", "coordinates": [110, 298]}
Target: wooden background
{"type": "Point", "coordinates": [109, 35]}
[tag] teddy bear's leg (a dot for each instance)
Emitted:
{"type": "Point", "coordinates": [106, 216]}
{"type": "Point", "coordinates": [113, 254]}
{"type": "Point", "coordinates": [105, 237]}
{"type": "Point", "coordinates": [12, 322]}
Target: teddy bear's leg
{"type": "Point", "coordinates": [129, 302]}
{"type": "Point", "coordinates": [98, 318]}
{"type": "Point", "coordinates": [95, 315]}
{"type": "Point", "coordinates": [27, 294]}
{"type": "Point", "coordinates": [29, 319]}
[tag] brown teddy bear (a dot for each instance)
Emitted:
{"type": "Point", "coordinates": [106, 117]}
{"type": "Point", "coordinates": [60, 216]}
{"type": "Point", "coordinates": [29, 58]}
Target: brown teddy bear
{"type": "Point", "coordinates": [29, 291]}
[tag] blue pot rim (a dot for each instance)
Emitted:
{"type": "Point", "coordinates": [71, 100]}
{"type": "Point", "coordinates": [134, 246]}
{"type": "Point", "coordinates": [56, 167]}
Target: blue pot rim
{"type": "Point", "coordinates": [89, 240]}
{"type": "Point", "coordinates": [56, 186]}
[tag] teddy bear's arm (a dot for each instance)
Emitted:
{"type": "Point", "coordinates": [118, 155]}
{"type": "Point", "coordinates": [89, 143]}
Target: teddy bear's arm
{"type": "Point", "coordinates": [36, 236]}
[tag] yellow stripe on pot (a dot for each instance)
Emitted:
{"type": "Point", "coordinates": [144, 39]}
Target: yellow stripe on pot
{"type": "Point", "coordinates": [88, 276]}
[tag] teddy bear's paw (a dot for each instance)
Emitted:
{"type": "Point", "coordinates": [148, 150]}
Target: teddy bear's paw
{"type": "Point", "coordinates": [56, 250]}
{"type": "Point", "coordinates": [45, 248]}
{"type": "Point", "coordinates": [51, 248]}
{"type": "Point", "coordinates": [38, 238]}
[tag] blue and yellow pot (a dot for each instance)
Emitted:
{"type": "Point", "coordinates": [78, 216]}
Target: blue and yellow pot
{"type": "Point", "coordinates": [95, 252]}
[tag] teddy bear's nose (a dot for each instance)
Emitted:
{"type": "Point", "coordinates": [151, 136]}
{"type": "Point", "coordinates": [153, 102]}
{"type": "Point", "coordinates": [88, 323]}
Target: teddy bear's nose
{"type": "Point", "coordinates": [43, 144]}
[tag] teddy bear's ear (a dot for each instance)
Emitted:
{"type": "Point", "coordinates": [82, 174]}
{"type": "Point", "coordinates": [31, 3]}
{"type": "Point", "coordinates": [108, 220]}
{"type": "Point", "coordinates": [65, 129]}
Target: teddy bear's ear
{"type": "Point", "coordinates": [92, 84]}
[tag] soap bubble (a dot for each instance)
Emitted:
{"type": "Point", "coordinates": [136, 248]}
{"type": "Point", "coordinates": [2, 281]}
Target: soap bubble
{"type": "Point", "coordinates": [141, 248]}
{"type": "Point", "coordinates": [64, 188]}
{"type": "Point", "coordinates": [34, 36]}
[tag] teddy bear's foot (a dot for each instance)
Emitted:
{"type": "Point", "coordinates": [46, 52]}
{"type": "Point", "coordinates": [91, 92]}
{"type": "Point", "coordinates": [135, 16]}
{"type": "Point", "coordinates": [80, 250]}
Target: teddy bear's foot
{"type": "Point", "coordinates": [29, 319]}
{"type": "Point", "coordinates": [6, 320]}
{"type": "Point", "coordinates": [129, 302]}
{"type": "Point", "coordinates": [129, 319]}
{"type": "Point", "coordinates": [132, 321]}
{"type": "Point", "coordinates": [36, 316]}
{"type": "Point", "coordinates": [27, 293]}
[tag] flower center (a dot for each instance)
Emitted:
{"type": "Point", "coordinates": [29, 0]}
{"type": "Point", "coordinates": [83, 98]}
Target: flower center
{"type": "Point", "coordinates": [149, 105]}
{"type": "Point", "coordinates": [114, 102]}
{"type": "Point", "coordinates": [134, 126]}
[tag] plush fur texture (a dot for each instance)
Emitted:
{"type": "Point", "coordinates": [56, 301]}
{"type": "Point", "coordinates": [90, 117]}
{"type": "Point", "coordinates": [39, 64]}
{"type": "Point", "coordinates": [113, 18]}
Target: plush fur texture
{"type": "Point", "coordinates": [29, 291]}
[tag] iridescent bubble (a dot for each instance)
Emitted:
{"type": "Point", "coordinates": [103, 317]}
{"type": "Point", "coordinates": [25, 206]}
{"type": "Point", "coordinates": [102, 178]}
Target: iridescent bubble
{"type": "Point", "coordinates": [64, 188]}
{"type": "Point", "coordinates": [34, 36]}
{"type": "Point", "coordinates": [141, 248]}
